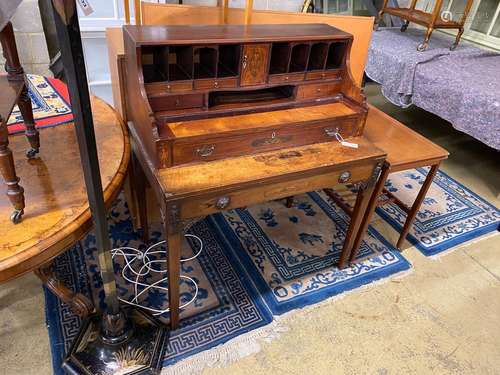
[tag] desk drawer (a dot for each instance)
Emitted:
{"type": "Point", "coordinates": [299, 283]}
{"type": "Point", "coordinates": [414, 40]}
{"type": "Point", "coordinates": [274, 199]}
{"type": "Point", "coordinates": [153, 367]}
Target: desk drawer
{"type": "Point", "coordinates": [285, 78]}
{"type": "Point", "coordinates": [172, 102]}
{"type": "Point", "coordinates": [158, 88]}
{"type": "Point", "coordinates": [318, 91]}
{"type": "Point", "coordinates": [256, 141]}
{"type": "Point", "coordinates": [215, 83]}
{"type": "Point", "coordinates": [207, 205]}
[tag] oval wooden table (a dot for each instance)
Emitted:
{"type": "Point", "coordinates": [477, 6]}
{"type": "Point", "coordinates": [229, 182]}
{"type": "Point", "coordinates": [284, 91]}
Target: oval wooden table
{"type": "Point", "coordinates": [57, 213]}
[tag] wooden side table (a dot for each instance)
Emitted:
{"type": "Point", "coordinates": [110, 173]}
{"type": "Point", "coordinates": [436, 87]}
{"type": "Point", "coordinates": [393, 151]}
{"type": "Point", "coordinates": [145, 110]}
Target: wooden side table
{"type": "Point", "coordinates": [193, 191]}
{"type": "Point", "coordinates": [406, 149]}
{"type": "Point", "coordinates": [60, 214]}
{"type": "Point", "coordinates": [13, 89]}
{"type": "Point", "coordinates": [431, 21]}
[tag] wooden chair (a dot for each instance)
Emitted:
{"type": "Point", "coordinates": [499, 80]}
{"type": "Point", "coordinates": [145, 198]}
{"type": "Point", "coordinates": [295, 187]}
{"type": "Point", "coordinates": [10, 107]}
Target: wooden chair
{"type": "Point", "coordinates": [13, 89]}
{"type": "Point", "coordinates": [431, 21]}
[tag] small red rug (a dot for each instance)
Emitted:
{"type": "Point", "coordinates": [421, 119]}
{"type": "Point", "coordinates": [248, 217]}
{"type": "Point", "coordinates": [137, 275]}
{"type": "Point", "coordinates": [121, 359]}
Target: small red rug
{"type": "Point", "coordinates": [50, 101]}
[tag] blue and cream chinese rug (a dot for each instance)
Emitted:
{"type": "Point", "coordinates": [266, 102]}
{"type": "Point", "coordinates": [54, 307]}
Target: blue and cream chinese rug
{"type": "Point", "coordinates": [263, 261]}
{"type": "Point", "coordinates": [268, 260]}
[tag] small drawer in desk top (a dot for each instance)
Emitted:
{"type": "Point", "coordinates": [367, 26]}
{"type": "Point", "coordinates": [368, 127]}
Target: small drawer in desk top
{"type": "Point", "coordinates": [267, 191]}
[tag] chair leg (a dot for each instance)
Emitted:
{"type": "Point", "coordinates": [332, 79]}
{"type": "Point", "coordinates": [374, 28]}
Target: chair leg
{"type": "Point", "coordinates": [289, 202]}
{"type": "Point", "coordinates": [31, 132]}
{"type": "Point", "coordinates": [457, 39]}
{"type": "Point", "coordinates": [423, 46]}
{"type": "Point", "coordinates": [12, 65]}
{"type": "Point", "coordinates": [416, 204]}
{"type": "Point", "coordinates": [15, 192]}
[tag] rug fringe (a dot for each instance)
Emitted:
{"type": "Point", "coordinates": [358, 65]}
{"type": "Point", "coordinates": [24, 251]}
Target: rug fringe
{"type": "Point", "coordinates": [227, 353]}
{"type": "Point", "coordinates": [248, 343]}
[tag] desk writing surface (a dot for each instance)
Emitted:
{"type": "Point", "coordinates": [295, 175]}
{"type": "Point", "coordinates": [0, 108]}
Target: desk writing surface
{"type": "Point", "coordinates": [201, 177]}
{"type": "Point", "coordinates": [402, 145]}
{"type": "Point", "coordinates": [260, 119]}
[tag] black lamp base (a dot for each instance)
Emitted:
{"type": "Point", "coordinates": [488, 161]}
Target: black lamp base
{"type": "Point", "coordinates": [141, 352]}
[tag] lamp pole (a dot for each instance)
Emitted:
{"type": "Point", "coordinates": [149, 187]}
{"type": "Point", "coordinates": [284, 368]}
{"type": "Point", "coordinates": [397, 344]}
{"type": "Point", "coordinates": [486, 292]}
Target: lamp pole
{"type": "Point", "coordinates": [115, 327]}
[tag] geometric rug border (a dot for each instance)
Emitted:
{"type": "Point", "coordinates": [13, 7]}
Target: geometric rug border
{"type": "Point", "coordinates": [448, 244]}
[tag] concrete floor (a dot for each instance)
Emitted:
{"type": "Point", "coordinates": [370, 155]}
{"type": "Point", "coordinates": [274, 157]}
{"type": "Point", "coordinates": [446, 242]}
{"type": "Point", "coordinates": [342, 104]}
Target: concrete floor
{"type": "Point", "coordinates": [444, 317]}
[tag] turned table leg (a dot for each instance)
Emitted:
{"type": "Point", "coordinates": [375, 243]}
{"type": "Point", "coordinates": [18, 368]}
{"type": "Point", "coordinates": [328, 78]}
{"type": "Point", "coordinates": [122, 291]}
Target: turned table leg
{"type": "Point", "coordinates": [173, 236]}
{"type": "Point", "coordinates": [15, 192]}
{"type": "Point", "coordinates": [78, 303]}
{"type": "Point", "coordinates": [416, 204]}
{"type": "Point", "coordinates": [31, 132]}
{"type": "Point", "coordinates": [12, 65]}
{"type": "Point", "coordinates": [365, 192]}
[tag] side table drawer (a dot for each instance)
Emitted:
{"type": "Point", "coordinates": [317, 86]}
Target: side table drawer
{"type": "Point", "coordinates": [207, 205]}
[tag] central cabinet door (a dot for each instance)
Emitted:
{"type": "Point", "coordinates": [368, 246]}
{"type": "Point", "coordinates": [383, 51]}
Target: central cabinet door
{"type": "Point", "coordinates": [254, 64]}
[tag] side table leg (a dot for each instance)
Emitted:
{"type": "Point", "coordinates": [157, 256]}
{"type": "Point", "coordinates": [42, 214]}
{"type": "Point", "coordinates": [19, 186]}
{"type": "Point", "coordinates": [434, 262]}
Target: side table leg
{"type": "Point", "coordinates": [78, 303]}
{"type": "Point", "coordinates": [31, 132]}
{"type": "Point", "coordinates": [416, 205]}
{"type": "Point", "coordinates": [173, 234]}
{"type": "Point", "coordinates": [15, 192]}
{"type": "Point", "coordinates": [372, 205]}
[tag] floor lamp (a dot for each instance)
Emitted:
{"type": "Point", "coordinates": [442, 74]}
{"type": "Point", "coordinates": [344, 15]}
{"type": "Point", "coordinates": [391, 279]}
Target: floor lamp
{"type": "Point", "coordinates": [125, 341]}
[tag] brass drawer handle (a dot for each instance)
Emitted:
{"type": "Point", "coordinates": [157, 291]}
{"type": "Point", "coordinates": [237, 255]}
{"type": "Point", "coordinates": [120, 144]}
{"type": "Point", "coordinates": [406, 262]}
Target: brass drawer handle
{"type": "Point", "coordinates": [222, 203]}
{"type": "Point", "coordinates": [205, 150]}
{"type": "Point", "coordinates": [245, 61]}
{"type": "Point", "coordinates": [216, 84]}
{"type": "Point", "coordinates": [344, 177]}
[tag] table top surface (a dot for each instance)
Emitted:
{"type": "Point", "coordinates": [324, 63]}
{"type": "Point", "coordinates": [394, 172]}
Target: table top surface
{"type": "Point", "coordinates": [263, 168]}
{"type": "Point", "coordinates": [405, 148]}
{"type": "Point", "coordinates": [57, 212]}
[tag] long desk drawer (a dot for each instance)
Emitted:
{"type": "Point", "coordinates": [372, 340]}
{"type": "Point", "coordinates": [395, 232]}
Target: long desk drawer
{"type": "Point", "coordinates": [262, 140]}
{"type": "Point", "coordinates": [207, 205]}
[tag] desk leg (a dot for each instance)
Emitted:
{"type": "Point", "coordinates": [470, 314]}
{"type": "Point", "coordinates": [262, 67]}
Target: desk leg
{"type": "Point", "coordinates": [138, 182]}
{"type": "Point", "coordinates": [364, 194]}
{"type": "Point", "coordinates": [416, 205]}
{"type": "Point", "coordinates": [372, 205]}
{"type": "Point", "coordinates": [173, 235]}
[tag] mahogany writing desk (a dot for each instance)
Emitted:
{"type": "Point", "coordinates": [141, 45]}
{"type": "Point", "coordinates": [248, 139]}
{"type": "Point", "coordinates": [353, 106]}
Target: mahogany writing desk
{"type": "Point", "coordinates": [192, 191]}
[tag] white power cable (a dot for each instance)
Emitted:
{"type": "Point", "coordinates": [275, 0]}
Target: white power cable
{"type": "Point", "coordinates": [143, 263]}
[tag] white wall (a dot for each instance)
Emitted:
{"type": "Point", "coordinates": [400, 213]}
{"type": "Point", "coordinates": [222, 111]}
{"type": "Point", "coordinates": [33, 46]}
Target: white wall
{"type": "Point", "coordinates": [30, 40]}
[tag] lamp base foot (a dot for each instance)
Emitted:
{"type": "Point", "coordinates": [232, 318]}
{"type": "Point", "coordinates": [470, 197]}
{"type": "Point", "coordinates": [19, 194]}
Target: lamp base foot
{"type": "Point", "coordinates": [141, 353]}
